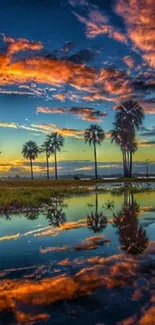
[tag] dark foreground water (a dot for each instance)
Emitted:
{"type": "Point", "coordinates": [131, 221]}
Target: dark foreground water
{"type": "Point", "coordinates": [83, 260]}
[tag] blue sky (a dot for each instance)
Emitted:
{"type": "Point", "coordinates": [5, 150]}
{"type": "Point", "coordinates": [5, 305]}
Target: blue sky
{"type": "Point", "coordinates": [67, 64]}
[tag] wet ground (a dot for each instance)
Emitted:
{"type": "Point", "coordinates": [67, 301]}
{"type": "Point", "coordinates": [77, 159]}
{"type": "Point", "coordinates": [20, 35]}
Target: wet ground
{"type": "Point", "coordinates": [88, 259]}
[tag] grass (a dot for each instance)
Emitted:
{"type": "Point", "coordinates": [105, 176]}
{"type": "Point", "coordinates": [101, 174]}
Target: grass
{"type": "Point", "coordinates": [37, 183]}
{"type": "Point", "coordinates": [21, 194]}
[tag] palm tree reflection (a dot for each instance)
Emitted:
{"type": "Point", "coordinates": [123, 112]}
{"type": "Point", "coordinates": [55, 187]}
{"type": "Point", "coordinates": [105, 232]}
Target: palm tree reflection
{"type": "Point", "coordinates": [132, 236]}
{"type": "Point", "coordinates": [32, 214]}
{"type": "Point", "coordinates": [54, 212]}
{"type": "Point", "coordinates": [96, 221]}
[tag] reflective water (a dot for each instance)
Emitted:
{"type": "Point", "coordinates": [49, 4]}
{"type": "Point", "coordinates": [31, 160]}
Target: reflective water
{"type": "Point", "coordinates": [83, 259]}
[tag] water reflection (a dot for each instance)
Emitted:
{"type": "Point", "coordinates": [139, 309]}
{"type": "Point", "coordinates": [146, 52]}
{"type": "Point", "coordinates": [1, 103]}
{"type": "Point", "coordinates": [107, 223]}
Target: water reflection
{"type": "Point", "coordinates": [132, 236]}
{"type": "Point", "coordinates": [32, 214]}
{"type": "Point", "coordinates": [61, 273]}
{"type": "Point", "coordinates": [54, 212]}
{"type": "Point", "coordinates": [96, 220]}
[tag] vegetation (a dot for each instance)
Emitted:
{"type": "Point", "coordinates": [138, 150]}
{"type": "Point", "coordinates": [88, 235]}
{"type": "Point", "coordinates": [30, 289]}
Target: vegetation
{"type": "Point", "coordinates": [30, 151]}
{"type": "Point", "coordinates": [16, 195]}
{"type": "Point", "coordinates": [132, 236]}
{"type": "Point", "coordinates": [56, 142]}
{"type": "Point", "coordinates": [94, 135]}
{"type": "Point", "coordinates": [48, 151]}
{"type": "Point", "coordinates": [128, 119]}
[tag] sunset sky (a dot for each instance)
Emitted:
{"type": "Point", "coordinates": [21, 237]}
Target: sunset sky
{"type": "Point", "coordinates": [65, 65]}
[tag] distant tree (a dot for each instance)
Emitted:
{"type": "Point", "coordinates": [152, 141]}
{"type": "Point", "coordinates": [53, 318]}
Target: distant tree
{"type": "Point", "coordinates": [128, 119]}
{"type": "Point", "coordinates": [46, 147]}
{"type": "Point", "coordinates": [30, 151]}
{"type": "Point", "coordinates": [94, 135]}
{"type": "Point", "coordinates": [56, 142]}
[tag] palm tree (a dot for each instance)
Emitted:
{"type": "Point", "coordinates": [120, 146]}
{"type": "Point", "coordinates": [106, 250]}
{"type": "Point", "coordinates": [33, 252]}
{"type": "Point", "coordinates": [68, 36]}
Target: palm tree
{"type": "Point", "coordinates": [30, 151]}
{"type": "Point", "coordinates": [128, 119]}
{"type": "Point", "coordinates": [96, 221]}
{"type": "Point", "coordinates": [56, 142]}
{"type": "Point", "coordinates": [128, 146]}
{"type": "Point", "coordinates": [54, 212]}
{"type": "Point", "coordinates": [94, 135]}
{"type": "Point", "coordinates": [132, 236]}
{"type": "Point", "coordinates": [46, 147]}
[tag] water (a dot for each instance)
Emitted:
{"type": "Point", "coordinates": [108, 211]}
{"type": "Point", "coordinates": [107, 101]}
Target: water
{"type": "Point", "coordinates": [83, 259]}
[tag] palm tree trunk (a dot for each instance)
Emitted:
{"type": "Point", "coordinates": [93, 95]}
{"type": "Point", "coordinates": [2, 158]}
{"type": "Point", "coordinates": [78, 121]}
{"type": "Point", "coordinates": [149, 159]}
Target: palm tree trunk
{"type": "Point", "coordinates": [123, 154]}
{"type": "Point", "coordinates": [95, 160]}
{"type": "Point", "coordinates": [96, 204]}
{"type": "Point", "coordinates": [126, 165]}
{"type": "Point", "coordinates": [56, 169]}
{"type": "Point", "coordinates": [130, 163]}
{"type": "Point", "coordinates": [31, 165]}
{"type": "Point", "coordinates": [47, 162]}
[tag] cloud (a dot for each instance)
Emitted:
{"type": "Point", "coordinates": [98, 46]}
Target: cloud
{"type": "Point", "coordinates": [147, 132]}
{"type": "Point", "coordinates": [60, 97]}
{"type": "Point", "coordinates": [8, 125]}
{"type": "Point", "coordinates": [47, 110]}
{"type": "Point", "coordinates": [50, 71]}
{"type": "Point", "coordinates": [76, 3]}
{"type": "Point", "coordinates": [97, 23]}
{"type": "Point", "coordinates": [83, 56]}
{"type": "Point", "coordinates": [22, 44]}
{"type": "Point", "coordinates": [129, 61]}
{"type": "Point", "coordinates": [88, 83]}
{"type": "Point", "coordinates": [84, 113]}
{"type": "Point", "coordinates": [45, 128]}
{"type": "Point", "coordinates": [148, 105]}
{"type": "Point", "coordinates": [138, 16]}
{"type": "Point", "coordinates": [146, 144]}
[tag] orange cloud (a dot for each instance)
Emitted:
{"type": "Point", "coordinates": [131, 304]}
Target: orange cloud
{"type": "Point", "coordinates": [138, 16]}
{"type": "Point", "coordinates": [96, 24]}
{"type": "Point", "coordinates": [61, 97]}
{"type": "Point", "coordinates": [129, 61]}
{"type": "Point", "coordinates": [46, 71]}
{"type": "Point", "coordinates": [21, 45]}
{"type": "Point", "coordinates": [85, 113]}
{"type": "Point", "coordinates": [47, 110]}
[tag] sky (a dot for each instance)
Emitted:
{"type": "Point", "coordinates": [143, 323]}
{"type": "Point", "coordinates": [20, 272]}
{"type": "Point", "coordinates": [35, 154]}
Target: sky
{"type": "Point", "coordinates": [67, 64]}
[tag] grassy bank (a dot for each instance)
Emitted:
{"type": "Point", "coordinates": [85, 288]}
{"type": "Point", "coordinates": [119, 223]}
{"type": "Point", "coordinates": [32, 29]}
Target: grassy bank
{"type": "Point", "coordinates": [16, 194]}
{"type": "Point", "coordinates": [39, 183]}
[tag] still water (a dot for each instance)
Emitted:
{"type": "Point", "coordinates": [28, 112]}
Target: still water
{"type": "Point", "coordinates": [83, 259]}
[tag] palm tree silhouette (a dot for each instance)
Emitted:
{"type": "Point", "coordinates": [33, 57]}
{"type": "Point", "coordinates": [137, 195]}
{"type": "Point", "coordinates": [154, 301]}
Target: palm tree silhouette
{"type": "Point", "coordinates": [54, 212]}
{"type": "Point", "coordinates": [94, 135]}
{"type": "Point", "coordinates": [120, 137]}
{"type": "Point", "coordinates": [47, 148]}
{"type": "Point", "coordinates": [56, 142]}
{"type": "Point", "coordinates": [128, 119]}
{"type": "Point", "coordinates": [96, 221]}
{"type": "Point", "coordinates": [132, 236]}
{"type": "Point", "coordinates": [30, 151]}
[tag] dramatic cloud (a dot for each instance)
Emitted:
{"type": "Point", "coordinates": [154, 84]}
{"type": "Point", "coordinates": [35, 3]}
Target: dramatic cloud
{"type": "Point", "coordinates": [139, 16]}
{"type": "Point", "coordinates": [21, 44]}
{"type": "Point", "coordinates": [96, 24]}
{"type": "Point", "coordinates": [84, 113]}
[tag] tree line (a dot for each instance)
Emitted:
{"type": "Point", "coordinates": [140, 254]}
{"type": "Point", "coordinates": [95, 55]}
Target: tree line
{"type": "Point", "coordinates": [128, 120]}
